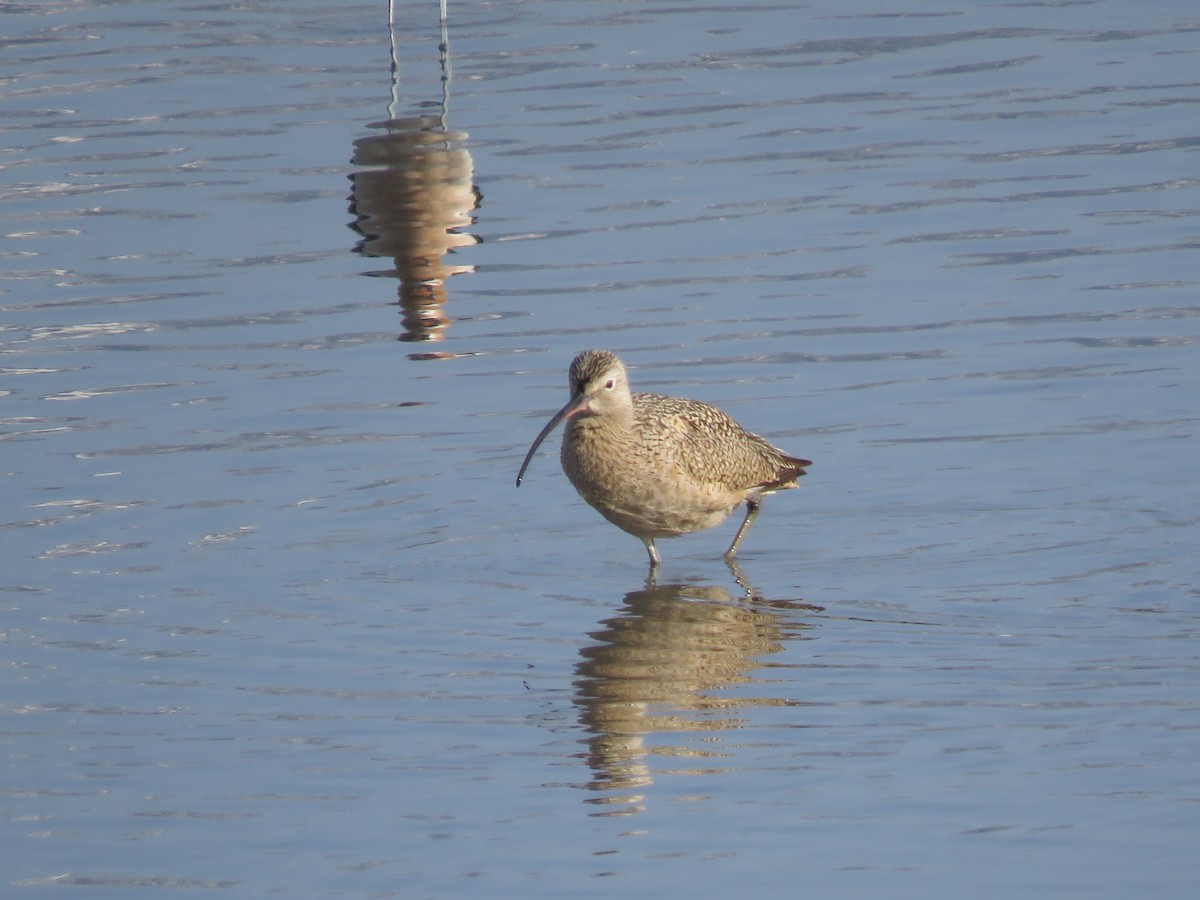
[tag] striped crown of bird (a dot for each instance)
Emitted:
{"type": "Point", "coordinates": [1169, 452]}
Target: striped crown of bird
{"type": "Point", "coordinates": [659, 466]}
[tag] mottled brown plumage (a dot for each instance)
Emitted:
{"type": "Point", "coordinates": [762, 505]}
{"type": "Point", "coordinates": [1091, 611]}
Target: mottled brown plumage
{"type": "Point", "coordinates": [658, 466]}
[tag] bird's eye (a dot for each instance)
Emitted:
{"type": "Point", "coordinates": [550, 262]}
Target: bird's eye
{"type": "Point", "coordinates": [608, 385]}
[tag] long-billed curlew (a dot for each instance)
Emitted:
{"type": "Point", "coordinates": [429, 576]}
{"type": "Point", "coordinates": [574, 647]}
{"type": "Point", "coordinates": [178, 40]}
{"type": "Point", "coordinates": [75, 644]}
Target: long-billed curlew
{"type": "Point", "coordinates": [659, 466]}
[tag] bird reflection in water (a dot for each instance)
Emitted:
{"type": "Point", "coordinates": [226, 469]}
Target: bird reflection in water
{"type": "Point", "coordinates": [412, 200]}
{"type": "Point", "coordinates": [661, 665]}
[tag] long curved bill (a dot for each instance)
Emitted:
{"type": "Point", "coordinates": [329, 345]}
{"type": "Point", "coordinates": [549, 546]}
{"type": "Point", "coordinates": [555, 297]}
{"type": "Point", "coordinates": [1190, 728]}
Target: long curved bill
{"type": "Point", "coordinates": [574, 407]}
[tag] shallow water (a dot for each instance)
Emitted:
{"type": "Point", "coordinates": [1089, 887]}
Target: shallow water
{"type": "Point", "coordinates": [276, 619]}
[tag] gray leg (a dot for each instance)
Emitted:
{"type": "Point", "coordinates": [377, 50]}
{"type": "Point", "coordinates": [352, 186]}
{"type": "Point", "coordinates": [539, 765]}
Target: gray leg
{"type": "Point", "coordinates": [752, 506]}
{"type": "Point", "coordinates": [653, 551]}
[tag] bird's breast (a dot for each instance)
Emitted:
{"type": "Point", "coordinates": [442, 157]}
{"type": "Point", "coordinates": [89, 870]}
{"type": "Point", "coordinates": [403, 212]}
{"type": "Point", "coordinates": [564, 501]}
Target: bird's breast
{"type": "Point", "coordinates": [638, 485]}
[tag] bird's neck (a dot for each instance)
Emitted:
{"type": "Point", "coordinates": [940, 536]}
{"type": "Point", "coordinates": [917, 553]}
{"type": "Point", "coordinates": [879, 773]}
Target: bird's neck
{"type": "Point", "coordinates": [612, 426]}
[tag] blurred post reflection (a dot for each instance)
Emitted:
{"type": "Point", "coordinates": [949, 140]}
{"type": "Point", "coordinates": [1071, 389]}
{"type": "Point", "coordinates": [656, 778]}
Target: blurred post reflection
{"type": "Point", "coordinates": [658, 666]}
{"type": "Point", "coordinates": [412, 202]}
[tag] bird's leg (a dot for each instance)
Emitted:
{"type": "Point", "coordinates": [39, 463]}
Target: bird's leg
{"type": "Point", "coordinates": [653, 551]}
{"type": "Point", "coordinates": [752, 506]}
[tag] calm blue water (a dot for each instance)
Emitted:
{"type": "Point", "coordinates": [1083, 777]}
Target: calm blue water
{"type": "Point", "coordinates": [276, 330]}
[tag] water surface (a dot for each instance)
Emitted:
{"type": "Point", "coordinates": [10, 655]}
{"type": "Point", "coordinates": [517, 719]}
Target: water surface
{"type": "Point", "coordinates": [277, 330]}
